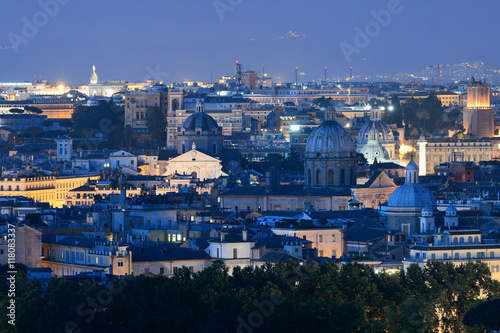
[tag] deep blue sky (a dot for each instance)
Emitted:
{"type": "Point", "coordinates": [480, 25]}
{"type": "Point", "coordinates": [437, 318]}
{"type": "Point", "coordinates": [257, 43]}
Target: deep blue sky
{"type": "Point", "coordinates": [188, 40]}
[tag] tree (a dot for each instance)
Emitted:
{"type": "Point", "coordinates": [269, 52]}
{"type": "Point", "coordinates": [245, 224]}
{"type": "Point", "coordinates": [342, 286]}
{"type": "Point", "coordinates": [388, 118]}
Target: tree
{"type": "Point", "coordinates": [323, 102]}
{"type": "Point", "coordinates": [16, 111]}
{"type": "Point", "coordinates": [155, 121]}
{"type": "Point", "coordinates": [485, 316]}
{"type": "Point", "coordinates": [105, 118]}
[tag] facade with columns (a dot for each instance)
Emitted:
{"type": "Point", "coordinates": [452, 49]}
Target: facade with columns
{"type": "Point", "coordinates": [432, 152]}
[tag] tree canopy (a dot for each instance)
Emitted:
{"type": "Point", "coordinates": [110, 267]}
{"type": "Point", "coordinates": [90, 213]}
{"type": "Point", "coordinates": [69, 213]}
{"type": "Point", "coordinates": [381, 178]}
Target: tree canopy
{"type": "Point", "coordinates": [104, 118]}
{"type": "Point", "coordinates": [286, 297]}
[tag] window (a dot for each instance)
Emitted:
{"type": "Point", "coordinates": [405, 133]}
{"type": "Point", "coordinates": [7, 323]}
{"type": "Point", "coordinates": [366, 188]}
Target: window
{"type": "Point", "coordinates": [62, 254]}
{"type": "Point", "coordinates": [433, 256]}
{"type": "Point", "coordinates": [342, 176]}
{"type": "Point", "coordinates": [235, 253]}
{"type": "Point", "coordinates": [468, 255]}
{"type": "Point", "coordinates": [321, 253]}
{"type": "Point", "coordinates": [191, 269]}
{"type": "Point", "coordinates": [330, 177]}
{"type": "Point", "coordinates": [492, 254]}
{"type": "Point", "coordinates": [304, 237]}
{"type": "Point", "coordinates": [457, 255]}
{"type": "Point", "coordinates": [445, 255]}
{"type": "Point", "coordinates": [318, 177]}
{"type": "Point", "coordinates": [217, 252]}
{"type": "Point", "coordinates": [321, 238]}
{"type": "Point", "coordinates": [162, 270]}
{"type": "Point", "coordinates": [176, 269]}
{"type": "Point", "coordinates": [495, 268]}
{"type": "Point", "coordinates": [97, 260]}
{"type": "Point", "coordinates": [120, 263]}
{"type": "Point", "coordinates": [333, 238]}
{"type": "Point", "coordinates": [334, 254]}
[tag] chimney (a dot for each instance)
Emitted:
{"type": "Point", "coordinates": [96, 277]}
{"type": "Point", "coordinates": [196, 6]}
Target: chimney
{"type": "Point", "coordinates": [244, 235]}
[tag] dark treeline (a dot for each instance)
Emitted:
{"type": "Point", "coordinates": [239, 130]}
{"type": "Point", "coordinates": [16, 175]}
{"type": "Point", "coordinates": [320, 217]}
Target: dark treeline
{"type": "Point", "coordinates": [281, 298]}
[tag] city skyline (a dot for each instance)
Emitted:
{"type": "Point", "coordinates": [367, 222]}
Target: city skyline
{"type": "Point", "coordinates": [202, 45]}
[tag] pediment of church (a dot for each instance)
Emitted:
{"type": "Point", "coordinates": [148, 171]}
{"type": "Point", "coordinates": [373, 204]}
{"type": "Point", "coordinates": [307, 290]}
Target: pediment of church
{"type": "Point", "coordinates": [382, 180]}
{"type": "Point", "coordinates": [192, 156]}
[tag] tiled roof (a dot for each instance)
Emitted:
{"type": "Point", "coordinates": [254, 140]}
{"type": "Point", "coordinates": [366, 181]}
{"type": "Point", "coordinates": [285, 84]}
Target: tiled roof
{"type": "Point", "coordinates": [165, 253]}
{"type": "Point", "coordinates": [365, 230]}
{"type": "Point", "coordinates": [277, 257]}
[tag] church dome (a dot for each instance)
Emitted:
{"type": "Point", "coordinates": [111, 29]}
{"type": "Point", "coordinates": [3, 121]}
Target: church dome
{"type": "Point", "coordinates": [412, 195]}
{"type": "Point", "coordinates": [200, 120]}
{"type": "Point", "coordinates": [375, 130]}
{"type": "Point", "coordinates": [329, 137]}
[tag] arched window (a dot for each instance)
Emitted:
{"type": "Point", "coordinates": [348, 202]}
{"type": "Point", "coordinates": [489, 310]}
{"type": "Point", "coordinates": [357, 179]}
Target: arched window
{"type": "Point", "coordinates": [309, 180]}
{"type": "Point", "coordinates": [330, 177]}
{"type": "Point", "coordinates": [476, 239]}
{"type": "Point", "coordinates": [470, 239]}
{"type": "Point", "coordinates": [342, 176]}
{"type": "Point", "coordinates": [461, 239]}
{"type": "Point", "coordinates": [318, 177]}
{"type": "Point", "coordinates": [175, 105]}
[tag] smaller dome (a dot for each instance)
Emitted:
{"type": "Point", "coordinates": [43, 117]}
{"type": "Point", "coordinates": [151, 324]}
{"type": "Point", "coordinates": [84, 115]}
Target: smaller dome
{"type": "Point", "coordinates": [412, 196]}
{"type": "Point", "coordinates": [411, 165]}
{"type": "Point", "coordinates": [451, 210]}
{"type": "Point", "coordinates": [427, 209]}
{"type": "Point", "coordinates": [375, 130]}
{"type": "Point", "coordinates": [200, 120]}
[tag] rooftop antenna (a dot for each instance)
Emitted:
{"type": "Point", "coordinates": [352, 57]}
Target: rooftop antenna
{"type": "Point", "coordinates": [325, 74]}
{"type": "Point", "coordinates": [296, 76]}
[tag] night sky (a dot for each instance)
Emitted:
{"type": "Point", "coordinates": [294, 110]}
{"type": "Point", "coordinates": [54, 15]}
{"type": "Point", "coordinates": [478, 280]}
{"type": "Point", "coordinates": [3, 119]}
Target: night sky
{"type": "Point", "coordinates": [191, 40]}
